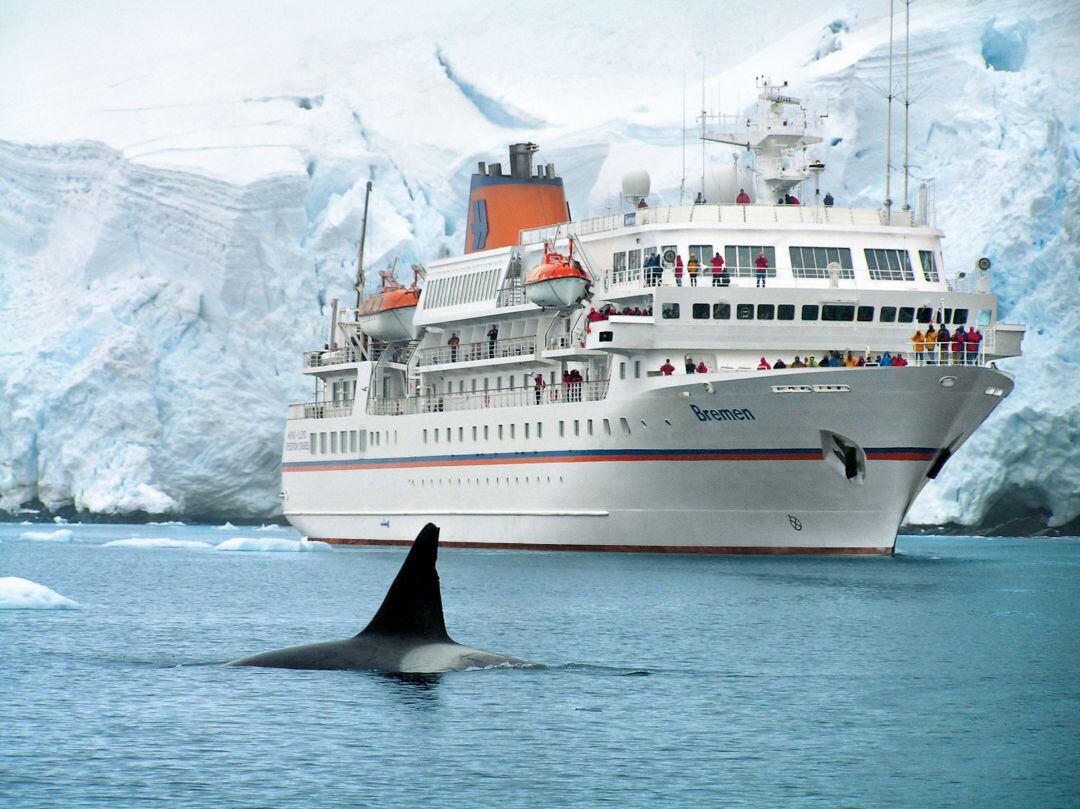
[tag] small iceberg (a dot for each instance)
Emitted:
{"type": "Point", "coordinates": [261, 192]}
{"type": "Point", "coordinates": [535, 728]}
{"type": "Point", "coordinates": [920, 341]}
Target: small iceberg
{"type": "Point", "coordinates": [167, 522]}
{"type": "Point", "coordinates": [59, 535]}
{"type": "Point", "coordinates": [228, 526]}
{"type": "Point", "coordinates": [156, 542]}
{"type": "Point", "coordinates": [23, 594]}
{"type": "Point", "coordinates": [271, 544]}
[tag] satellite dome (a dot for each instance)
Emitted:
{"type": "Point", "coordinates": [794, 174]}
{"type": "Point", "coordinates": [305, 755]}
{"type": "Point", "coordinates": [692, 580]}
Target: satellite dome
{"type": "Point", "coordinates": [635, 184]}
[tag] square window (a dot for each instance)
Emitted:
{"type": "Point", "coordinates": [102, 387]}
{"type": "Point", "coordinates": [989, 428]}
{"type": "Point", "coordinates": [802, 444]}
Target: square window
{"type": "Point", "coordinates": [606, 336]}
{"type": "Point", "coordinates": [906, 315]}
{"type": "Point", "coordinates": [721, 311]}
{"type": "Point", "coordinates": [765, 311]}
{"type": "Point", "coordinates": [670, 311]}
{"type": "Point", "coordinates": [700, 311]}
{"type": "Point", "coordinates": [887, 314]}
{"type": "Point", "coordinates": [924, 314]}
{"type": "Point", "coordinates": [809, 311]}
{"type": "Point", "coordinates": [960, 316]}
{"type": "Point", "coordinates": [865, 314]}
{"type": "Point", "coordinates": [785, 311]}
{"type": "Point", "coordinates": [744, 311]}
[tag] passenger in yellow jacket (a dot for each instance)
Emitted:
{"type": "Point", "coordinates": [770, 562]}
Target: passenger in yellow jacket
{"type": "Point", "coordinates": [918, 341]}
{"type": "Point", "coordinates": [929, 343]}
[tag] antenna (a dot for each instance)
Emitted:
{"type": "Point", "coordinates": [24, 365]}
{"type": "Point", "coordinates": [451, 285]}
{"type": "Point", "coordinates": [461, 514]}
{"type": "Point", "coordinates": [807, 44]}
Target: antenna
{"type": "Point", "coordinates": [907, 92]}
{"type": "Point", "coordinates": [682, 185]}
{"type": "Point", "coordinates": [888, 124]}
{"type": "Point", "coordinates": [360, 250]}
{"type": "Point", "coordinates": [888, 120]}
{"type": "Point", "coordinates": [703, 127]}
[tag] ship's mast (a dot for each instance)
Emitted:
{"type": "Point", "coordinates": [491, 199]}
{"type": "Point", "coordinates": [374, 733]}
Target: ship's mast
{"type": "Point", "coordinates": [777, 135]}
{"type": "Point", "coordinates": [907, 93]}
{"type": "Point", "coordinates": [360, 250]}
{"type": "Point", "coordinates": [888, 120]}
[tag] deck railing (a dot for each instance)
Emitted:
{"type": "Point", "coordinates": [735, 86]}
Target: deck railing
{"type": "Point", "coordinates": [517, 397]}
{"type": "Point", "coordinates": [337, 356]}
{"type": "Point", "coordinates": [321, 410]}
{"type": "Point", "coordinates": [481, 350]}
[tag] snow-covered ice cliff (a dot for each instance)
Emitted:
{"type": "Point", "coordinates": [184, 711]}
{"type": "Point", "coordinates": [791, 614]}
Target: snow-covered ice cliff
{"type": "Point", "coordinates": [180, 191]}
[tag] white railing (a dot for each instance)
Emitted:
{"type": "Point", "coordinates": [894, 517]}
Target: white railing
{"type": "Point", "coordinates": [321, 410]}
{"type": "Point", "coordinates": [762, 213]}
{"type": "Point", "coordinates": [665, 277]}
{"type": "Point", "coordinates": [478, 400]}
{"type": "Point", "coordinates": [337, 356]}
{"type": "Point", "coordinates": [482, 350]}
{"type": "Point", "coordinates": [870, 358]}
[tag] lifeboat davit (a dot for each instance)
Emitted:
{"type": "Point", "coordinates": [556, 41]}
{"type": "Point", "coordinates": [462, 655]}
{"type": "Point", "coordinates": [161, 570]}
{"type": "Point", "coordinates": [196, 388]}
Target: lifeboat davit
{"type": "Point", "coordinates": [557, 281]}
{"type": "Point", "coordinates": [389, 314]}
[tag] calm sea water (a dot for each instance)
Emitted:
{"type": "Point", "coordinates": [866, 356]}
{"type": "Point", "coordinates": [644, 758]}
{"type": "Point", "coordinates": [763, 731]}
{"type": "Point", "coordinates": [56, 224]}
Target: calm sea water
{"type": "Point", "coordinates": [947, 676]}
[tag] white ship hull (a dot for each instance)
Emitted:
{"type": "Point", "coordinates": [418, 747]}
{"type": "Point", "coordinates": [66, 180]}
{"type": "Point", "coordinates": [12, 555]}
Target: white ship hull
{"type": "Point", "coordinates": [673, 468]}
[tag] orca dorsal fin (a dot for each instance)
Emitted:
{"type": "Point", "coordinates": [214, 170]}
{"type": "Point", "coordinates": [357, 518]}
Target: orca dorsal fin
{"type": "Point", "coordinates": [413, 604]}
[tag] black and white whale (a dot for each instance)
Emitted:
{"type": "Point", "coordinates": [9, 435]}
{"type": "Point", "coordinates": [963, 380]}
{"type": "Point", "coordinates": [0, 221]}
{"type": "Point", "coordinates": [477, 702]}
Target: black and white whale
{"type": "Point", "coordinates": [407, 634]}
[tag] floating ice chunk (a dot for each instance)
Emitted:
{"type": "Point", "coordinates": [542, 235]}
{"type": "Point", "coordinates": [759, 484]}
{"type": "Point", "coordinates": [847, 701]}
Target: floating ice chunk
{"type": "Point", "coordinates": [167, 522]}
{"type": "Point", "coordinates": [59, 520]}
{"type": "Point", "coordinates": [59, 535]}
{"type": "Point", "coordinates": [156, 542]}
{"type": "Point", "coordinates": [271, 544]}
{"type": "Point", "coordinates": [226, 527]}
{"type": "Point", "coordinates": [23, 594]}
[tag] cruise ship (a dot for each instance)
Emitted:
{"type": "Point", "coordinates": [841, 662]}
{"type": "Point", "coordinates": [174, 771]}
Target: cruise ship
{"type": "Point", "coordinates": [573, 385]}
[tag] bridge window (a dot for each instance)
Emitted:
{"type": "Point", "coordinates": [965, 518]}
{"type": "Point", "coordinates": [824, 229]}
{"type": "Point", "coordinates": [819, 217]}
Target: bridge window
{"type": "Point", "coordinates": [810, 311]}
{"type": "Point", "coordinates": [744, 311]}
{"type": "Point", "coordinates": [721, 311]}
{"type": "Point", "coordinates": [670, 311]}
{"type": "Point", "coordinates": [701, 311]}
{"type": "Point", "coordinates": [887, 314]}
{"type": "Point", "coordinates": [837, 311]}
{"type": "Point", "coordinates": [889, 265]}
{"type": "Point", "coordinates": [929, 265]}
{"type": "Point", "coordinates": [924, 314]}
{"type": "Point", "coordinates": [906, 315]}
{"type": "Point", "coordinates": [785, 311]}
{"type": "Point", "coordinates": [813, 262]}
{"type": "Point", "coordinates": [702, 252]}
{"type": "Point", "coordinates": [865, 314]}
{"type": "Point", "coordinates": [633, 260]}
{"type": "Point", "coordinates": [765, 311]}
{"type": "Point", "coordinates": [739, 259]}
{"type": "Point", "coordinates": [960, 316]}
{"type": "Point", "coordinates": [618, 262]}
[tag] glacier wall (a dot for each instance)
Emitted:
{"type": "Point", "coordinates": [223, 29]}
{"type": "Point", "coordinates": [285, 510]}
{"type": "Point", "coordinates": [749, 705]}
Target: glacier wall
{"type": "Point", "coordinates": [170, 238]}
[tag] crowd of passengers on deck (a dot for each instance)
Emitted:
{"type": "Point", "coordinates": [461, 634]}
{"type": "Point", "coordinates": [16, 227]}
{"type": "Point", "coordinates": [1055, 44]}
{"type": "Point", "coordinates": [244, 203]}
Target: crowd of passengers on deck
{"type": "Point", "coordinates": [655, 267]}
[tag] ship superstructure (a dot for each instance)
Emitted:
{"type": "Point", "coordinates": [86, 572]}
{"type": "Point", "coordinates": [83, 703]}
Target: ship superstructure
{"type": "Point", "coordinates": [628, 406]}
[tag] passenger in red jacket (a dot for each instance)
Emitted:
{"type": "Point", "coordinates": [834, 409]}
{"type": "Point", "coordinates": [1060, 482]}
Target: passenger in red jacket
{"type": "Point", "coordinates": [678, 270]}
{"type": "Point", "coordinates": [716, 263]}
{"type": "Point", "coordinates": [971, 344]}
{"type": "Point", "coordinates": [761, 266]}
{"type": "Point", "coordinates": [743, 198]}
{"type": "Point", "coordinates": [702, 368]}
{"type": "Point", "coordinates": [764, 365]}
{"type": "Point", "coordinates": [667, 369]}
{"type": "Point", "coordinates": [958, 345]}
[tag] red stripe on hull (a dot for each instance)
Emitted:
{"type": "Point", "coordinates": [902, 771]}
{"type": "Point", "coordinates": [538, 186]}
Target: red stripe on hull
{"type": "Point", "coordinates": [701, 549]}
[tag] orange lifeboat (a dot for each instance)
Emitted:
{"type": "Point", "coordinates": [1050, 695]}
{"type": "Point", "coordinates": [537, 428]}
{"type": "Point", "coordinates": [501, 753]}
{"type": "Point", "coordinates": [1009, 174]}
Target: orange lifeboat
{"type": "Point", "coordinates": [389, 314]}
{"type": "Point", "coordinates": [557, 281]}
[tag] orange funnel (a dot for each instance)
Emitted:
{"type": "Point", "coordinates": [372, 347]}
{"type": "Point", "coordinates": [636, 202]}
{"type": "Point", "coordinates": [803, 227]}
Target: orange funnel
{"type": "Point", "coordinates": [502, 205]}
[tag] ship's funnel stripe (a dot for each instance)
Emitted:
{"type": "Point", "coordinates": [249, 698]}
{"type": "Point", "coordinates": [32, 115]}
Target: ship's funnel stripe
{"type": "Point", "coordinates": [596, 456]}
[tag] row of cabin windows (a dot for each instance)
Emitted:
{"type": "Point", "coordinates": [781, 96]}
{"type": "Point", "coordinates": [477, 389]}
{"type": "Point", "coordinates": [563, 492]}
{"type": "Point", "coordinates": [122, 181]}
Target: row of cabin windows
{"type": "Point", "coordinates": [461, 289]}
{"type": "Point", "coordinates": [806, 262]}
{"type": "Point", "coordinates": [832, 312]}
{"type": "Point", "coordinates": [350, 441]}
{"type": "Point", "coordinates": [526, 430]}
